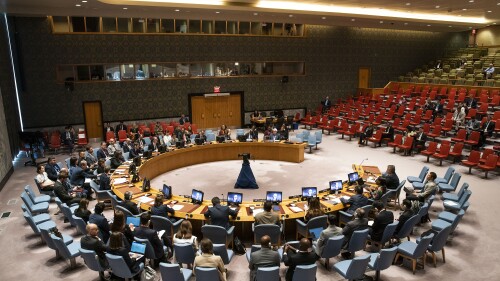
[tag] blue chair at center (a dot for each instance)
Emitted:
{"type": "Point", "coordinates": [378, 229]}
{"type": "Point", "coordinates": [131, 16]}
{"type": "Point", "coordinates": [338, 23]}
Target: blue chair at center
{"type": "Point", "coordinates": [218, 234]}
{"type": "Point", "coordinates": [382, 260]}
{"type": "Point", "coordinates": [91, 260]}
{"type": "Point", "coordinates": [206, 274]}
{"type": "Point", "coordinates": [162, 223]}
{"type": "Point", "coordinates": [452, 186]}
{"type": "Point", "coordinates": [268, 273]}
{"type": "Point", "coordinates": [120, 267]}
{"type": "Point", "coordinates": [184, 253]}
{"type": "Point", "coordinates": [224, 253]}
{"type": "Point", "coordinates": [352, 269]}
{"type": "Point", "coordinates": [305, 272]}
{"type": "Point", "coordinates": [421, 176]}
{"type": "Point", "coordinates": [70, 251]}
{"type": "Point", "coordinates": [413, 251]}
{"type": "Point", "coordinates": [303, 228]}
{"type": "Point", "coordinates": [358, 241]}
{"type": "Point", "coordinates": [332, 249]}
{"type": "Point", "coordinates": [172, 272]}
{"type": "Point", "coordinates": [311, 142]}
{"type": "Point", "coordinates": [273, 230]}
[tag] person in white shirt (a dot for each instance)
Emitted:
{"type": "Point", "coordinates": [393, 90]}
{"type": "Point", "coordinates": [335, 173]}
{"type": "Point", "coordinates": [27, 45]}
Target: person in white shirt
{"type": "Point", "coordinates": [45, 183]}
{"type": "Point", "coordinates": [167, 139]}
{"type": "Point", "coordinates": [488, 72]}
{"type": "Point", "coordinates": [459, 117]}
{"type": "Point", "coordinates": [185, 236]}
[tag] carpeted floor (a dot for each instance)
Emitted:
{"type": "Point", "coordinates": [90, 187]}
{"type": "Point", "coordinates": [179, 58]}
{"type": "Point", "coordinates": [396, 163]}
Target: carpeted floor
{"type": "Point", "coordinates": [470, 254]}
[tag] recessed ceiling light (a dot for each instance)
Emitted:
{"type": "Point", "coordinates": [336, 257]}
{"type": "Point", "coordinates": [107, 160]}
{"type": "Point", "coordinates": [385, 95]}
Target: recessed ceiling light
{"type": "Point", "coordinates": [408, 4]}
{"type": "Point", "coordinates": [125, 8]}
{"type": "Point", "coordinates": [471, 1]}
{"type": "Point", "coordinates": [291, 16]}
{"type": "Point", "coordinates": [489, 11]}
{"type": "Point", "coordinates": [381, 21]}
{"type": "Point", "coordinates": [494, 23]}
{"type": "Point", "coordinates": [255, 14]}
{"type": "Point", "coordinates": [177, 10]}
{"type": "Point", "coordinates": [450, 26]}
{"type": "Point", "coordinates": [323, 18]}
{"type": "Point", "coordinates": [464, 9]}
{"type": "Point", "coordinates": [437, 7]}
{"type": "Point", "coordinates": [353, 19]}
{"type": "Point", "coordinates": [84, 1]}
{"type": "Point", "coordinates": [428, 25]}
{"type": "Point", "coordinates": [78, 5]}
{"type": "Point", "coordinates": [217, 12]}
{"type": "Point", "coordinates": [406, 23]}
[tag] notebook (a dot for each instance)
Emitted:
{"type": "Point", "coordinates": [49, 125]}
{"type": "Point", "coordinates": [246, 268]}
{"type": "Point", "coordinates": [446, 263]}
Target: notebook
{"type": "Point", "coordinates": [137, 250]}
{"type": "Point", "coordinates": [133, 220]}
{"type": "Point", "coordinates": [315, 232]}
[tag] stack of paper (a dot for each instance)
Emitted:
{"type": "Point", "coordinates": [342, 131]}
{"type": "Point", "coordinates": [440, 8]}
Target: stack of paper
{"type": "Point", "coordinates": [144, 199]}
{"type": "Point", "coordinates": [177, 207]}
{"type": "Point", "coordinates": [296, 209]}
{"type": "Point", "coordinates": [120, 181]}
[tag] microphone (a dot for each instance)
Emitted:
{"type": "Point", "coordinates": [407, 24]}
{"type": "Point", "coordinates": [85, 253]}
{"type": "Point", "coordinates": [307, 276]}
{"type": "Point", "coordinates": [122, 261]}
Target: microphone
{"type": "Point", "coordinates": [363, 161]}
{"type": "Point", "coordinates": [223, 198]}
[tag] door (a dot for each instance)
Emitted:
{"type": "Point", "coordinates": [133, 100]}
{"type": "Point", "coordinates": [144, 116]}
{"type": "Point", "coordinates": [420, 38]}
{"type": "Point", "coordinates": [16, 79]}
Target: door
{"type": "Point", "coordinates": [213, 111]}
{"type": "Point", "coordinates": [364, 77]}
{"type": "Point", "coordinates": [93, 119]}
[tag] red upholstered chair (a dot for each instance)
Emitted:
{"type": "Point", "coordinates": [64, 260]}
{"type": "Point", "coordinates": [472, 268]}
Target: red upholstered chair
{"type": "Point", "coordinates": [486, 152]}
{"type": "Point", "coordinates": [442, 154]}
{"type": "Point", "coordinates": [376, 137]}
{"type": "Point", "coordinates": [460, 136]}
{"type": "Point", "coordinates": [328, 127]}
{"type": "Point", "coordinates": [122, 135]}
{"type": "Point", "coordinates": [398, 140]}
{"type": "Point", "coordinates": [431, 149]}
{"type": "Point", "coordinates": [437, 121]}
{"type": "Point", "coordinates": [448, 126]}
{"type": "Point", "coordinates": [339, 125]}
{"type": "Point", "coordinates": [416, 120]}
{"type": "Point", "coordinates": [352, 131]}
{"type": "Point", "coordinates": [55, 142]}
{"type": "Point", "coordinates": [110, 135]}
{"type": "Point", "coordinates": [490, 165]}
{"type": "Point", "coordinates": [436, 132]}
{"type": "Point", "coordinates": [471, 114]}
{"type": "Point", "coordinates": [344, 129]}
{"type": "Point", "coordinates": [296, 118]}
{"type": "Point", "coordinates": [379, 118]}
{"type": "Point", "coordinates": [472, 160]}
{"type": "Point", "coordinates": [390, 115]}
{"type": "Point", "coordinates": [82, 139]}
{"type": "Point", "coordinates": [403, 127]}
{"type": "Point", "coordinates": [194, 127]}
{"type": "Point", "coordinates": [495, 101]}
{"type": "Point", "coordinates": [473, 139]}
{"type": "Point", "coordinates": [407, 145]}
{"type": "Point", "coordinates": [428, 115]}
{"type": "Point", "coordinates": [457, 151]}
{"type": "Point", "coordinates": [483, 109]}
{"type": "Point", "coordinates": [311, 122]}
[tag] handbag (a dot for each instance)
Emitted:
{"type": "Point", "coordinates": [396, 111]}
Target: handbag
{"type": "Point", "coordinates": [149, 274]}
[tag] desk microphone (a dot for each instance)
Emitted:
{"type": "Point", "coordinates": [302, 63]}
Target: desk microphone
{"type": "Point", "coordinates": [362, 162]}
{"type": "Point", "coordinates": [223, 198]}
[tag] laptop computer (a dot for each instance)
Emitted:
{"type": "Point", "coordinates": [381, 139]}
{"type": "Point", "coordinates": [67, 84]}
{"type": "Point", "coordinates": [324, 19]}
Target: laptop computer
{"type": "Point", "coordinates": [137, 250]}
{"type": "Point", "coordinates": [315, 232]}
{"type": "Point", "coordinates": [134, 220]}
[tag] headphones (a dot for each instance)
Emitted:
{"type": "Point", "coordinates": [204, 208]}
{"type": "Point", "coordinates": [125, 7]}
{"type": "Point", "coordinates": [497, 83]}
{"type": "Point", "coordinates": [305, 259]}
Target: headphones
{"type": "Point", "coordinates": [128, 195]}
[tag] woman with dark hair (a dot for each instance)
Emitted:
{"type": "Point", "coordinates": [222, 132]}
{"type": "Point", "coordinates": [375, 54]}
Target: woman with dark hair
{"type": "Point", "coordinates": [185, 235]}
{"type": "Point", "coordinates": [120, 226]}
{"type": "Point", "coordinates": [314, 209]}
{"type": "Point", "coordinates": [73, 163]}
{"type": "Point", "coordinates": [43, 180]}
{"type": "Point", "coordinates": [101, 165]}
{"type": "Point", "coordinates": [82, 211]}
{"type": "Point", "coordinates": [159, 209]}
{"type": "Point", "coordinates": [208, 259]}
{"type": "Point", "coordinates": [116, 160]}
{"type": "Point", "coordinates": [117, 248]}
{"type": "Point", "coordinates": [380, 190]}
{"type": "Point", "coordinates": [225, 132]}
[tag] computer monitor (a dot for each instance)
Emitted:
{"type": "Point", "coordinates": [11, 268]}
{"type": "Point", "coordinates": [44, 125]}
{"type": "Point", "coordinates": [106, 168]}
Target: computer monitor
{"type": "Point", "coordinates": [197, 196]}
{"type": "Point", "coordinates": [180, 144]}
{"type": "Point", "coordinates": [132, 169]}
{"type": "Point", "coordinates": [137, 161]}
{"type": "Point", "coordinates": [353, 177]}
{"type": "Point", "coordinates": [136, 221]}
{"type": "Point", "coordinates": [162, 149]}
{"type": "Point", "coordinates": [167, 191]}
{"type": "Point", "coordinates": [147, 154]}
{"type": "Point", "coordinates": [309, 192]}
{"type": "Point", "coordinates": [146, 185]}
{"type": "Point", "coordinates": [274, 196]}
{"type": "Point", "coordinates": [198, 141]}
{"type": "Point", "coordinates": [335, 186]}
{"type": "Point", "coordinates": [234, 198]}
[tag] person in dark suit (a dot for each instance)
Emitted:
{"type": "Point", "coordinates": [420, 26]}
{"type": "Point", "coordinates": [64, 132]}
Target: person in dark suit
{"type": "Point", "coordinates": [420, 139]}
{"type": "Point", "coordinates": [253, 133]}
{"type": "Point", "coordinates": [359, 223]}
{"type": "Point", "coordinates": [117, 248]}
{"type": "Point", "coordinates": [68, 139]}
{"type": "Point", "coordinates": [108, 128]}
{"type": "Point", "coordinates": [79, 174]}
{"type": "Point", "coordinates": [382, 219]}
{"type": "Point", "coordinates": [356, 201]}
{"type": "Point", "coordinates": [129, 205]}
{"type": "Point", "coordinates": [103, 151]}
{"type": "Point", "coordinates": [127, 146]}
{"type": "Point", "coordinates": [101, 221]}
{"type": "Point", "coordinates": [405, 215]}
{"type": "Point", "coordinates": [265, 257]}
{"type": "Point", "coordinates": [62, 193]}
{"type": "Point", "coordinates": [160, 209]}
{"type": "Point", "coordinates": [120, 127]}
{"type": "Point", "coordinates": [326, 104]}
{"type": "Point", "coordinates": [82, 211]}
{"type": "Point", "coordinates": [52, 169]}
{"type": "Point", "coordinates": [104, 180]}
{"type": "Point", "coordinates": [92, 242]}
{"type": "Point", "coordinates": [144, 232]}
{"type": "Point", "coordinates": [154, 145]}
{"type": "Point", "coordinates": [219, 215]}
{"type": "Point", "coordinates": [391, 179]}
{"type": "Point", "coordinates": [116, 160]}
{"type": "Point", "coordinates": [388, 133]}
{"type": "Point", "coordinates": [136, 151]}
{"type": "Point", "coordinates": [301, 256]}
{"type": "Point", "coordinates": [486, 130]}
{"type": "Point", "coordinates": [183, 119]}
{"type": "Point", "coordinates": [367, 133]}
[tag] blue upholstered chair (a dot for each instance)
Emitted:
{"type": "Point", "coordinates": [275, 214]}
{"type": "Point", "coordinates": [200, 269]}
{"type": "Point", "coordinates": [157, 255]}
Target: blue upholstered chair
{"type": "Point", "coordinates": [184, 253]}
{"type": "Point", "coordinates": [386, 236]}
{"type": "Point", "coordinates": [206, 274]}
{"type": "Point", "coordinates": [452, 186]}
{"type": "Point", "coordinates": [173, 272]}
{"type": "Point", "coordinates": [69, 252]}
{"type": "Point", "coordinates": [413, 251]}
{"type": "Point", "coordinates": [438, 243]}
{"type": "Point", "coordinates": [311, 142]}
{"type": "Point", "coordinates": [120, 268]}
{"type": "Point", "coordinates": [101, 195]}
{"type": "Point", "coordinates": [453, 206]}
{"type": "Point", "coordinates": [345, 217]}
{"type": "Point", "coordinates": [273, 230]}
{"type": "Point", "coordinates": [407, 228]}
{"type": "Point", "coordinates": [36, 199]}
{"type": "Point", "coordinates": [358, 241]}
{"type": "Point", "coordinates": [456, 197]}
{"type": "Point", "coordinates": [37, 219]}
{"type": "Point", "coordinates": [81, 225]}
{"type": "Point", "coordinates": [383, 260]}
{"type": "Point", "coordinates": [268, 273]}
{"type": "Point", "coordinates": [421, 176]}
{"type": "Point", "coordinates": [332, 249]}
{"type": "Point", "coordinates": [92, 262]}
{"type": "Point", "coordinates": [352, 269]}
{"type": "Point", "coordinates": [162, 223]}
{"type": "Point", "coordinates": [319, 138]}
{"type": "Point", "coordinates": [218, 234]}
{"type": "Point", "coordinates": [305, 272]}
{"type": "Point", "coordinates": [150, 251]}
{"type": "Point", "coordinates": [447, 176]}
{"type": "Point", "coordinates": [34, 208]}
{"type": "Point", "coordinates": [452, 218]}
{"type": "Point", "coordinates": [303, 228]}
{"type": "Point", "coordinates": [222, 251]}
{"type": "Point", "coordinates": [36, 227]}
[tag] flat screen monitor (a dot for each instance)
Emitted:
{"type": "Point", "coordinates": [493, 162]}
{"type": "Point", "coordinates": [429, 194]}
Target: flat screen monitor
{"type": "Point", "coordinates": [167, 191]}
{"type": "Point", "coordinates": [353, 177]}
{"type": "Point", "coordinates": [146, 185]}
{"type": "Point", "coordinates": [147, 154]}
{"type": "Point", "coordinates": [309, 192]}
{"type": "Point", "coordinates": [197, 196]}
{"type": "Point", "coordinates": [335, 186]}
{"type": "Point", "coordinates": [136, 221]}
{"type": "Point", "coordinates": [274, 196]}
{"type": "Point", "coordinates": [234, 198]}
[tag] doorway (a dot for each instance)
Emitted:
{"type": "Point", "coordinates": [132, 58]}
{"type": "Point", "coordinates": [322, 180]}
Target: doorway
{"type": "Point", "coordinates": [364, 74]}
{"type": "Point", "coordinates": [92, 112]}
{"type": "Point", "coordinates": [211, 111]}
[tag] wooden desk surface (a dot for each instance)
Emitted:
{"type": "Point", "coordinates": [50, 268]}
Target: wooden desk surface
{"type": "Point", "coordinates": [219, 152]}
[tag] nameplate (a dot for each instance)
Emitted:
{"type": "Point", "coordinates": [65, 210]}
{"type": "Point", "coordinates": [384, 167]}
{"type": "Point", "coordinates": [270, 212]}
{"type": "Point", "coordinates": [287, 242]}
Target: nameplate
{"type": "Point", "coordinates": [217, 95]}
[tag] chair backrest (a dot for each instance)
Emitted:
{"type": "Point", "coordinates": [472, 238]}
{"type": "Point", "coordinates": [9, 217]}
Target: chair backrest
{"type": "Point", "coordinates": [389, 231]}
{"type": "Point", "coordinates": [48, 240]}
{"type": "Point", "coordinates": [423, 173]}
{"type": "Point", "coordinates": [223, 252]}
{"type": "Point", "coordinates": [474, 156]}
{"type": "Point", "coordinates": [357, 267]}
{"type": "Point", "coordinates": [206, 273]}
{"type": "Point", "coordinates": [422, 246]}
{"type": "Point", "coordinates": [91, 260]}
{"type": "Point", "coordinates": [162, 223]}
{"type": "Point", "coordinates": [268, 273]}
{"type": "Point", "coordinates": [67, 213]}
{"type": "Point", "coordinates": [385, 258]}
{"type": "Point", "coordinates": [125, 211]}
{"type": "Point", "coordinates": [423, 210]}
{"type": "Point", "coordinates": [462, 190]}
{"type": "Point", "coordinates": [492, 160]}
{"type": "Point", "coordinates": [333, 246]}
{"type": "Point", "coordinates": [358, 240]}
{"type": "Point", "coordinates": [80, 224]}
{"type": "Point", "coordinates": [440, 239]}
{"type": "Point", "coordinates": [63, 249]}
{"type": "Point", "coordinates": [27, 200]}
{"type": "Point", "coordinates": [31, 222]}
{"type": "Point", "coordinates": [455, 180]}
{"type": "Point", "coordinates": [449, 173]}
{"type": "Point", "coordinates": [319, 136]}
{"type": "Point", "coordinates": [171, 272]}
{"type": "Point", "coordinates": [305, 272]}
{"type": "Point", "coordinates": [317, 222]}
{"type": "Point", "coordinates": [217, 234]}
{"type": "Point", "coordinates": [184, 253]}
{"type": "Point", "coordinates": [465, 197]}
{"type": "Point", "coordinates": [408, 226]}
{"type": "Point", "coordinates": [119, 267]}
{"type": "Point", "coordinates": [150, 251]}
{"type": "Point", "coordinates": [311, 140]}
{"type": "Point", "coordinates": [30, 191]}
{"type": "Point", "coordinates": [272, 230]}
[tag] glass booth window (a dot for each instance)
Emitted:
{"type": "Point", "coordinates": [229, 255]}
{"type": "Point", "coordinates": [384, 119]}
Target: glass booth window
{"type": "Point", "coordinates": [60, 24]}
{"type": "Point", "coordinates": [109, 24]}
{"type": "Point", "coordinates": [127, 71]}
{"type": "Point", "coordinates": [182, 70]}
{"type": "Point", "coordinates": [170, 70]}
{"type": "Point", "coordinates": [141, 71]}
{"type": "Point", "coordinates": [113, 72]}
